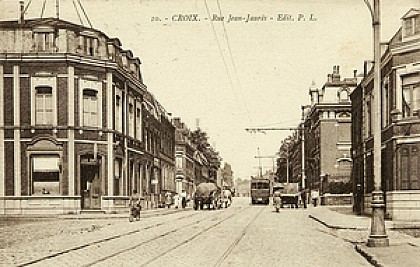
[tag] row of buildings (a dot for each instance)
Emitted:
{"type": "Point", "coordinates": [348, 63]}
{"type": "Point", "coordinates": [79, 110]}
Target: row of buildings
{"type": "Point", "coordinates": [336, 134]}
{"type": "Point", "coordinates": [79, 129]}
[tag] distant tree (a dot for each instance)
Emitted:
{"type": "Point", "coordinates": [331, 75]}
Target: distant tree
{"type": "Point", "coordinates": [283, 155]}
{"type": "Point", "coordinates": [200, 139]}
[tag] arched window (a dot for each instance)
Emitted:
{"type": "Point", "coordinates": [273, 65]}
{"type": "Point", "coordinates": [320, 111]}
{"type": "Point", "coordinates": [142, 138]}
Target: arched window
{"type": "Point", "coordinates": [343, 95]}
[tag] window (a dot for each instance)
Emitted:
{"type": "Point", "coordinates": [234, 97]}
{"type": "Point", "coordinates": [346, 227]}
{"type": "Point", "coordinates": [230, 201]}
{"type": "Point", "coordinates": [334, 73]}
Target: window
{"type": "Point", "coordinates": [44, 42]}
{"type": "Point", "coordinates": [43, 38]}
{"type": "Point", "coordinates": [386, 104]}
{"type": "Point", "coordinates": [369, 117]}
{"type": "Point", "coordinates": [90, 108]}
{"type": "Point", "coordinates": [117, 176]}
{"type": "Point", "coordinates": [43, 100]}
{"type": "Point", "coordinates": [131, 125]}
{"type": "Point", "coordinates": [410, 168]}
{"type": "Point", "coordinates": [90, 99]}
{"type": "Point", "coordinates": [45, 175]}
{"type": "Point", "coordinates": [411, 26]}
{"type": "Point", "coordinates": [146, 138]}
{"type": "Point", "coordinates": [344, 95]}
{"type": "Point", "coordinates": [88, 44]}
{"type": "Point", "coordinates": [408, 27]}
{"type": "Point", "coordinates": [43, 106]}
{"type": "Point", "coordinates": [138, 123]}
{"type": "Point", "coordinates": [410, 95]}
{"type": "Point", "coordinates": [118, 110]}
{"type": "Point", "coordinates": [178, 160]}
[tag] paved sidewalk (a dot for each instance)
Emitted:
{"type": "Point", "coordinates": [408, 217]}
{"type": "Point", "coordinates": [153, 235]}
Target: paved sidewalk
{"type": "Point", "coordinates": [404, 250]}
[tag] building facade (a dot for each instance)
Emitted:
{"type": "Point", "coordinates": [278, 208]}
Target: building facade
{"type": "Point", "coordinates": [78, 128]}
{"type": "Point", "coordinates": [400, 113]}
{"type": "Point", "coordinates": [327, 135]}
{"type": "Point", "coordinates": [192, 166]}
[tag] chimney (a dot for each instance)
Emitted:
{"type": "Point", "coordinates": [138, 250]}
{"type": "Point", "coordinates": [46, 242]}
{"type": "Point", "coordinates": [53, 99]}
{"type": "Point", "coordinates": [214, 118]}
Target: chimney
{"type": "Point", "coordinates": [355, 73]}
{"type": "Point", "coordinates": [177, 121]}
{"type": "Point", "coordinates": [336, 73]}
{"type": "Point", "coordinates": [22, 12]}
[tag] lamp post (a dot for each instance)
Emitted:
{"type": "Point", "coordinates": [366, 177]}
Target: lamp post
{"type": "Point", "coordinates": [378, 236]}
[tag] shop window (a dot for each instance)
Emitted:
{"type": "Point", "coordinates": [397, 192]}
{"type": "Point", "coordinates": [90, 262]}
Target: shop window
{"type": "Point", "coordinates": [90, 108]}
{"type": "Point", "coordinates": [43, 105]}
{"type": "Point", "coordinates": [45, 175]}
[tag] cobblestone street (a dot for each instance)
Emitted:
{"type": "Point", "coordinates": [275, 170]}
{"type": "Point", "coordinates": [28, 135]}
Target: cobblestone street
{"type": "Point", "coordinates": [242, 235]}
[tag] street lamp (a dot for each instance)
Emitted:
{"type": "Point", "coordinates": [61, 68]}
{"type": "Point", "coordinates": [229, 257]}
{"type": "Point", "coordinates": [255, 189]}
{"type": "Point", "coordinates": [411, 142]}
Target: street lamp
{"type": "Point", "coordinates": [378, 236]}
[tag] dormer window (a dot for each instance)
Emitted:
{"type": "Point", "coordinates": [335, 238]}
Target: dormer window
{"type": "Point", "coordinates": [344, 95]}
{"type": "Point", "coordinates": [412, 26]}
{"type": "Point", "coordinates": [44, 39]}
{"type": "Point", "coordinates": [411, 23]}
{"type": "Point", "coordinates": [88, 43]}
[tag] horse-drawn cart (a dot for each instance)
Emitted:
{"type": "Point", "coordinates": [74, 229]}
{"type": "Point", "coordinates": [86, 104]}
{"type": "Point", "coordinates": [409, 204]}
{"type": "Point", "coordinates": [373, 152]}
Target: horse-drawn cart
{"type": "Point", "coordinates": [206, 194]}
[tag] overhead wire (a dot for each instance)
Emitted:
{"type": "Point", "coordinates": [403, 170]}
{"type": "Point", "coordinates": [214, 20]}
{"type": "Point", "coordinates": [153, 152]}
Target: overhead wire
{"type": "Point", "coordinates": [220, 49]}
{"type": "Point", "coordinates": [233, 61]}
{"type": "Point", "coordinates": [77, 12]}
{"type": "Point", "coordinates": [43, 8]}
{"type": "Point", "coordinates": [27, 6]}
{"type": "Point", "coordinates": [84, 12]}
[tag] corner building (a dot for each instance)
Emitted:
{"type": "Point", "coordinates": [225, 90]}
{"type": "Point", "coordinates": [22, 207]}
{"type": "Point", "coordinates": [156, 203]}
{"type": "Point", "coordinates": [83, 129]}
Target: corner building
{"type": "Point", "coordinates": [400, 126]}
{"type": "Point", "coordinates": [71, 122]}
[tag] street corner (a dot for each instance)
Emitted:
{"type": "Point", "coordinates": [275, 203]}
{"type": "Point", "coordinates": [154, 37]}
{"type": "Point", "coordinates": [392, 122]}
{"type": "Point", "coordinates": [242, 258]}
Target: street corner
{"type": "Point", "coordinates": [401, 254]}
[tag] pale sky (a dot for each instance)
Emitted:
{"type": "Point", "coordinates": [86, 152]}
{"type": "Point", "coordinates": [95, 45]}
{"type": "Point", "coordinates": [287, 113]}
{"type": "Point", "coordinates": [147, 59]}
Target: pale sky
{"type": "Point", "coordinates": [261, 81]}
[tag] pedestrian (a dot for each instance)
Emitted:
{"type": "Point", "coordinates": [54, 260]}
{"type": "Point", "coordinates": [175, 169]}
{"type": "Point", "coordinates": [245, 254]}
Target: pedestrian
{"type": "Point", "coordinates": [176, 201]}
{"type": "Point", "coordinates": [134, 204]}
{"type": "Point", "coordinates": [168, 199]}
{"type": "Point", "coordinates": [303, 196]}
{"type": "Point", "coordinates": [183, 199]}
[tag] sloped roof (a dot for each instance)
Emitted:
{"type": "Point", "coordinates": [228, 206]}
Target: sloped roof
{"type": "Point", "coordinates": [411, 13]}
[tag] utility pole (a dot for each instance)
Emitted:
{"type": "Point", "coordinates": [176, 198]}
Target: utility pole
{"type": "Point", "coordinates": [259, 162]}
{"type": "Point", "coordinates": [267, 157]}
{"type": "Point", "coordinates": [378, 236]}
{"type": "Point", "coordinates": [300, 128]}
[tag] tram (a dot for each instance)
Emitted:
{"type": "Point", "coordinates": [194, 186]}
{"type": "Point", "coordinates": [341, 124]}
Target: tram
{"type": "Point", "coordinates": [260, 190]}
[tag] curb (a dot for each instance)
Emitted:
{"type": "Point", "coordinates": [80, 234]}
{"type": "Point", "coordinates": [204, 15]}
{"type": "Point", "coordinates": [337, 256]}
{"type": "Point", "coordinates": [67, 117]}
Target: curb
{"type": "Point", "coordinates": [337, 227]}
{"type": "Point", "coordinates": [369, 257]}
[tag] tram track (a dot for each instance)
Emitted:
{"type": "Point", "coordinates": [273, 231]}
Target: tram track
{"type": "Point", "coordinates": [191, 238]}
{"type": "Point", "coordinates": [96, 242]}
{"type": "Point", "coordinates": [113, 238]}
{"type": "Point", "coordinates": [237, 240]}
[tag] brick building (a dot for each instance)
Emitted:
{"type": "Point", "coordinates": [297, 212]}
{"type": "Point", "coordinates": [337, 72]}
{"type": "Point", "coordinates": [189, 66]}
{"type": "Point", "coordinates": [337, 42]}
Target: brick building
{"type": "Point", "coordinates": [327, 130]}
{"type": "Point", "coordinates": [192, 166]}
{"type": "Point", "coordinates": [400, 95]}
{"type": "Point", "coordinates": [78, 128]}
